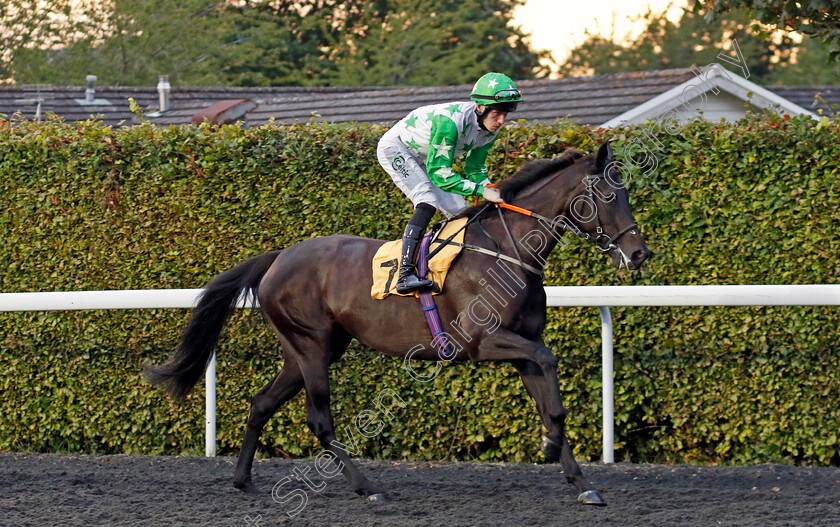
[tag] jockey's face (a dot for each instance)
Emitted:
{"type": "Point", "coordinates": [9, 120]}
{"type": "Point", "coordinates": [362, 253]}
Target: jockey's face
{"type": "Point", "coordinates": [492, 119]}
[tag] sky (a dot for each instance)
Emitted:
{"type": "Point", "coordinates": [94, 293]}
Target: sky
{"type": "Point", "coordinates": [559, 25]}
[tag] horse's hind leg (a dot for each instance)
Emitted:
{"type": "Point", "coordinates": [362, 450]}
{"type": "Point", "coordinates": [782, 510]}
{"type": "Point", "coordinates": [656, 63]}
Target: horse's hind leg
{"type": "Point", "coordinates": [285, 385]}
{"type": "Point", "coordinates": [315, 373]}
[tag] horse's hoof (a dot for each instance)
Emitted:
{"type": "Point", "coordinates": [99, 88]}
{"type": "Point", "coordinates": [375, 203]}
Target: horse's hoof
{"type": "Point", "coordinates": [247, 487]}
{"type": "Point", "coordinates": [377, 498]}
{"type": "Point", "coordinates": [550, 449]}
{"type": "Point", "coordinates": [591, 497]}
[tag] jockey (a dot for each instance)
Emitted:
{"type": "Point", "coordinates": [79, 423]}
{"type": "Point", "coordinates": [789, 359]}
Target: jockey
{"type": "Point", "coordinates": [418, 153]}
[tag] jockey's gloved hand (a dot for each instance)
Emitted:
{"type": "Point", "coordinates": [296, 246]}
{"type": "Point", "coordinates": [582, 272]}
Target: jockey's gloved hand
{"type": "Point", "coordinates": [492, 194]}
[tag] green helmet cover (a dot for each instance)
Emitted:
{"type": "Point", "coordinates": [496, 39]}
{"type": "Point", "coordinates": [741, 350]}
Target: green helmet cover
{"type": "Point", "coordinates": [494, 88]}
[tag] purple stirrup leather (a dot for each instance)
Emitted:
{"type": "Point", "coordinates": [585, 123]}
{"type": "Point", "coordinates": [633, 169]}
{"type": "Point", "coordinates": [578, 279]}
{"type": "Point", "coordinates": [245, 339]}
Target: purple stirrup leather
{"type": "Point", "coordinates": [428, 302]}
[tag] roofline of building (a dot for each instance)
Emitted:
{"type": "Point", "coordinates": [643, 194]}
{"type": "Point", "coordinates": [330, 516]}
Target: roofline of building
{"type": "Point", "coordinates": [713, 78]}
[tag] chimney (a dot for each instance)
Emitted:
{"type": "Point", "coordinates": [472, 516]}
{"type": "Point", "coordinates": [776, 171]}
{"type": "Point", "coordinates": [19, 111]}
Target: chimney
{"type": "Point", "coordinates": [163, 92]}
{"type": "Point", "coordinates": [90, 92]}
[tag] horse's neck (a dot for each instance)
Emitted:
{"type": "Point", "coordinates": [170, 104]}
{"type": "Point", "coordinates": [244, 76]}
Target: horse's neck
{"type": "Point", "coordinates": [534, 238]}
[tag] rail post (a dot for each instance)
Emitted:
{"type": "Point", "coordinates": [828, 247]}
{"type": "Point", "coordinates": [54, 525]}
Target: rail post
{"type": "Point", "coordinates": [210, 408]}
{"type": "Point", "coordinates": [607, 418]}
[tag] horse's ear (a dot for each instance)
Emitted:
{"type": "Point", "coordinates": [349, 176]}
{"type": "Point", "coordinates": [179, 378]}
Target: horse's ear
{"type": "Point", "coordinates": [605, 157]}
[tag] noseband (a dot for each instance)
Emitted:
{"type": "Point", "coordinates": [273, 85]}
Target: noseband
{"type": "Point", "coordinates": [603, 241]}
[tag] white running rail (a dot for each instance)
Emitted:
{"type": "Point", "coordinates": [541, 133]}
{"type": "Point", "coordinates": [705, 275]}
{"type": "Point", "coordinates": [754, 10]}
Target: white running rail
{"type": "Point", "coordinates": [557, 296]}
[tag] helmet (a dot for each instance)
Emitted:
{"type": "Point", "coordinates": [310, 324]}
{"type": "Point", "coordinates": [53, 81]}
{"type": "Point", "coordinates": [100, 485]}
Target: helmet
{"type": "Point", "coordinates": [497, 91]}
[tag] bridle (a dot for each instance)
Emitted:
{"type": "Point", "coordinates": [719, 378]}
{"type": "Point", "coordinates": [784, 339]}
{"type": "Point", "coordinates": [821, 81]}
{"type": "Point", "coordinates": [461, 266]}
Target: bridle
{"type": "Point", "coordinates": [606, 243]}
{"type": "Point", "coordinates": [602, 240]}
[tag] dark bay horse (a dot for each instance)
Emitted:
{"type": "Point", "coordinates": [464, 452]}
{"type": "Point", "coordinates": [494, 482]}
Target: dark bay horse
{"type": "Point", "coordinates": [316, 295]}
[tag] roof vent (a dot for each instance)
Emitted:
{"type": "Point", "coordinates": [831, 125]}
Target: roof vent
{"type": "Point", "coordinates": [90, 94]}
{"type": "Point", "coordinates": [36, 102]}
{"type": "Point", "coordinates": [163, 93]}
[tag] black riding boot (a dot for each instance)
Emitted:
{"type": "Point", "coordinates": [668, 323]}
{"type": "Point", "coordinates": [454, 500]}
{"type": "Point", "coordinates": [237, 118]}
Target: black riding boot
{"type": "Point", "coordinates": [409, 281]}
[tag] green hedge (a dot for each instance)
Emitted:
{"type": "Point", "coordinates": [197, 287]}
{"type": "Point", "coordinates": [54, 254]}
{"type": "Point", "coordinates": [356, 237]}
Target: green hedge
{"type": "Point", "coordinates": [85, 206]}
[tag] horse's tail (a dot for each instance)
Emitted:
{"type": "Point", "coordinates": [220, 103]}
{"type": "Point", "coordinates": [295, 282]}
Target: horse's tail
{"type": "Point", "coordinates": [215, 305]}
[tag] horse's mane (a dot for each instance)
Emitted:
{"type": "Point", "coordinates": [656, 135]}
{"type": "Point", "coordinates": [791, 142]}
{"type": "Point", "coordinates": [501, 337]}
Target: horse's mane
{"type": "Point", "coordinates": [527, 174]}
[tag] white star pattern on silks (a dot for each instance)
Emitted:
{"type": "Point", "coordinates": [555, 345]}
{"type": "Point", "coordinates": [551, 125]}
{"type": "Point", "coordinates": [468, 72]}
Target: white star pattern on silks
{"type": "Point", "coordinates": [492, 83]}
{"type": "Point", "coordinates": [446, 173]}
{"type": "Point", "coordinates": [442, 149]}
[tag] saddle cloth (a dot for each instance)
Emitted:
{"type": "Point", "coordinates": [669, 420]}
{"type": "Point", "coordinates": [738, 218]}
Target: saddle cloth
{"type": "Point", "coordinates": [386, 261]}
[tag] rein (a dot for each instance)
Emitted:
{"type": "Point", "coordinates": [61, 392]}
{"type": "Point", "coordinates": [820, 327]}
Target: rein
{"type": "Point", "coordinates": [518, 261]}
{"type": "Point", "coordinates": [604, 244]}
{"type": "Point", "coordinates": [602, 240]}
{"type": "Point", "coordinates": [449, 240]}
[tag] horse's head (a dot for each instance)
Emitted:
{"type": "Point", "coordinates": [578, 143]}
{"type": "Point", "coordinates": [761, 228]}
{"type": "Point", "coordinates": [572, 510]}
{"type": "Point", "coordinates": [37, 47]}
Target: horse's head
{"type": "Point", "coordinates": [601, 210]}
{"type": "Point", "coordinates": [574, 192]}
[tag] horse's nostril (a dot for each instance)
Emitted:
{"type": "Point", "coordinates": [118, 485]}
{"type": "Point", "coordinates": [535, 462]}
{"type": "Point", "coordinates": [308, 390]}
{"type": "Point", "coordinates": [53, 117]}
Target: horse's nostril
{"type": "Point", "coordinates": [640, 256]}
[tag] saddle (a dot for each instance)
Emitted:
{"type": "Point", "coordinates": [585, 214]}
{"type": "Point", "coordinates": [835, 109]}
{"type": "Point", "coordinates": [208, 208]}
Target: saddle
{"type": "Point", "coordinates": [386, 261]}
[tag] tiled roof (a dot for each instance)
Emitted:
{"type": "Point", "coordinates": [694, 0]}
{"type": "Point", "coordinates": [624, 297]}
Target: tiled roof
{"type": "Point", "coordinates": [589, 100]}
{"type": "Point", "coordinates": [804, 96]}
{"type": "Point", "coordinates": [112, 106]}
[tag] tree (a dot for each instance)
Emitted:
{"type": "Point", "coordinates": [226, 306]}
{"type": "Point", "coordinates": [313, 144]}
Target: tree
{"type": "Point", "coordinates": [26, 24]}
{"type": "Point", "coordinates": [291, 42]}
{"type": "Point", "coordinates": [665, 44]}
{"type": "Point", "coordinates": [432, 42]}
{"type": "Point", "coordinates": [813, 65]}
{"type": "Point", "coordinates": [384, 42]}
{"type": "Point", "coordinates": [820, 18]}
{"type": "Point", "coordinates": [131, 43]}
{"type": "Point", "coordinates": [279, 43]}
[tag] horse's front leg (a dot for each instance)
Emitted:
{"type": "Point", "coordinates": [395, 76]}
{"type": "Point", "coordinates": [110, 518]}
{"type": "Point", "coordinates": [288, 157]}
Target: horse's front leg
{"type": "Point", "coordinates": [537, 366]}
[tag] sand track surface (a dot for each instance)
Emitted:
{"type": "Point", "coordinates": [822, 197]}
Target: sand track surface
{"type": "Point", "coordinates": [48, 489]}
